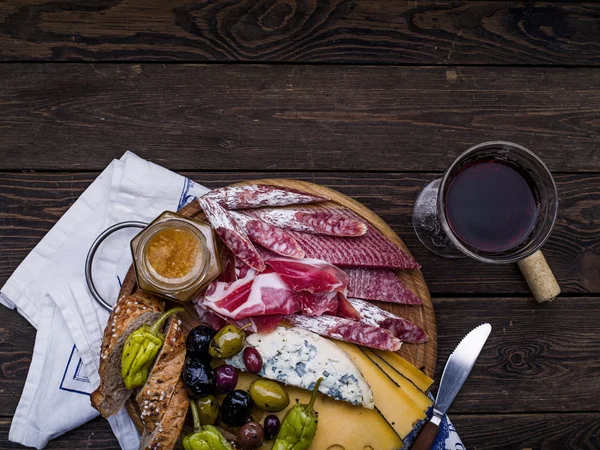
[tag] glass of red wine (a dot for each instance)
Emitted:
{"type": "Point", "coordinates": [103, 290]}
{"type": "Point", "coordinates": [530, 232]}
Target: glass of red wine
{"type": "Point", "coordinates": [496, 203]}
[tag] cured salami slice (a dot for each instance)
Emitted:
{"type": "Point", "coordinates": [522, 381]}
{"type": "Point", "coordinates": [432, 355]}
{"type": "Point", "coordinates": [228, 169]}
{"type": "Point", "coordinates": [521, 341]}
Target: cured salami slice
{"type": "Point", "coordinates": [347, 330]}
{"type": "Point", "coordinates": [371, 250]}
{"type": "Point", "coordinates": [315, 221]}
{"type": "Point", "coordinates": [232, 234]}
{"type": "Point", "coordinates": [258, 195]}
{"type": "Point", "coordinates": [403, 329]}
{"type": "Point", "coordinates": [379, 284]}
{"type": "Point", "coordinates": [270, 237]}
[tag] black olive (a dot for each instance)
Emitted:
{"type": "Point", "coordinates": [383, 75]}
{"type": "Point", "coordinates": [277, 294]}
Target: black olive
{"type": "Point", "coordinates": [271, 426]}
{"type": "Point", "coordinates": [236, 408]}
{"type": "Point", "coordinates": [198, 340]}
{"type": "Point", "coordinates": [198, 377]}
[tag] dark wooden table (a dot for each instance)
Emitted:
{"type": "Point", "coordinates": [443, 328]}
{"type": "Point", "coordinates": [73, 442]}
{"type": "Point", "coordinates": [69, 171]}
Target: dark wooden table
{"type": "Point", "coordinates": [373, 98]}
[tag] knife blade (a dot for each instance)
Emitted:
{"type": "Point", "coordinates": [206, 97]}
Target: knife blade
{"type": "Point", "coordinates": [457, 369]}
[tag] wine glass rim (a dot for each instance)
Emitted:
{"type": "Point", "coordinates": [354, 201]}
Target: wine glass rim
{"type": "Point", "coordinates": [518, 256]}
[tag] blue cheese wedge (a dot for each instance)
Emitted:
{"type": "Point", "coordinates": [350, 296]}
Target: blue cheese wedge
{"type": "Point", "coordinates": [298, 357]}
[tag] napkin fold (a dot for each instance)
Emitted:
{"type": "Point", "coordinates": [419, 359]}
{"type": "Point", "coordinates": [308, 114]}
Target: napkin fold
{"type": "Point", "coordinates": [48, 289]}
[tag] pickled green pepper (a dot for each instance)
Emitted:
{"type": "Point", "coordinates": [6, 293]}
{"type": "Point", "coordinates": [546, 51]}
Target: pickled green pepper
{"type": "Point", "coordinates": [204, 437]}
{"type": "Point", "coordinates": [140, 350]}
{"type": "Point", "coordinates": [299, 426]}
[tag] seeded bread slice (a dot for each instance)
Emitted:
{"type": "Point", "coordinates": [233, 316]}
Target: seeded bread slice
{"type": "Point", "coordinates": [155, 395]}
{"type": "Point", "coordinates": [167, 431]}
{"type": "Point", "coordinates": [130, 313]}
{"type": "Point", "coordinates": [127, 309]}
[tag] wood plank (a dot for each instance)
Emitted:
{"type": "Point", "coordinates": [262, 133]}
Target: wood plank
{"type": "Point", "coordinates": [543, 431]}
{"type": "Point", "coordinates": [528, 431]}
{"type": "Point", "coordinates": [30, 204]}
{"type": "Point", "coordinates": [338, 31]}
{"type": "Point", "coordinates": [17, 338]}
{"type": "Point", "coordinates": [94, 435]}
{"type": "Point", "coordinates": [80, 116]}
{"type": "Point", "coordinates": [539, 358]}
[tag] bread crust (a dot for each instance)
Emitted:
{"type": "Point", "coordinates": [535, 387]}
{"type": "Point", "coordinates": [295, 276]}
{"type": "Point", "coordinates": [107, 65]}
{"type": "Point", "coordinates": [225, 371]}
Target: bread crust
{"type": "Point", "coordinates": [126, 310]}
{"type": "Point", "coordinates": [155, 396]}
{"type": "Point", "coordinates": [166, 433]}
{"type": "Point", "coordinates": [130, 313]}
{"type": "Point", "coordinates": [163, 400]}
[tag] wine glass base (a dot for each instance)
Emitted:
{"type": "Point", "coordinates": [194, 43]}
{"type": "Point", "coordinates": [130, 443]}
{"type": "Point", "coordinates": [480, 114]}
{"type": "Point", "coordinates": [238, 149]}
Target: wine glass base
{"type": "Point", "coordinates": [427, 224]}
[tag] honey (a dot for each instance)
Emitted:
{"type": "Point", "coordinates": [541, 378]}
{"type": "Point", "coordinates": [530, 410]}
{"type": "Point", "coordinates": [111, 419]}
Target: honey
{"type": "Point", "coordinates": [175, 257]}
{"type": "Point", "coordinates": [173, 254]}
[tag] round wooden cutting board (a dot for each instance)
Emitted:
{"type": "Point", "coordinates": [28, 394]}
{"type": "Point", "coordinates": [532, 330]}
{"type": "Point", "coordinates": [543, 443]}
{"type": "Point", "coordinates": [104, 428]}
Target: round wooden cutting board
{"type": "Point", "coordinates": [422, 356]}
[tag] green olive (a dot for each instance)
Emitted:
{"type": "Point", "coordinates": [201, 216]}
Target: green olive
{"type": "Point", "coordinates": [228, 342]}
{"type": "Point", "coordinates": [269, 395]}
{"type": "Point", "coordinates": [208, 409]}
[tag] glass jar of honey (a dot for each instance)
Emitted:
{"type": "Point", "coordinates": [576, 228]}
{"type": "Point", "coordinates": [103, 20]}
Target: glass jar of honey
{"type": "Point", "coordinates": [175, 257]}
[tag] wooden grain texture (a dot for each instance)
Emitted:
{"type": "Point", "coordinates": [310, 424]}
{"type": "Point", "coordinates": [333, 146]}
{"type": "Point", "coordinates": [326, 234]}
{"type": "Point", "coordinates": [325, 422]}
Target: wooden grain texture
{"type": "Point", "coordinates": [30, 204]}
{"type": "Point", "coordinates": [377, 134]}
{"type": "Point", "coordinates": [529, 431]}
{"type": "Point", "coordinates": [94, 435]}
{"type": "Point", "coordinates": [539, 358]}
{"type": "Point", "coordinates": [232, 117]}
{"type": "Point", "coordinates": [335, 31]}
{"type": "Point", "coordinates": [17, 338]}
{"type": "Point", "coordinates": [420, 355]}
{"type": "Point", "coordinates": [489, 431]}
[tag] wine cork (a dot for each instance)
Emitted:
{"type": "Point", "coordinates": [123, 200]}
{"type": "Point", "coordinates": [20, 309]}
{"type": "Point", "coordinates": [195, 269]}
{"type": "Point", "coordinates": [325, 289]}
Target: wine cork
{"type": "Point", "coordinates": [539, 277]}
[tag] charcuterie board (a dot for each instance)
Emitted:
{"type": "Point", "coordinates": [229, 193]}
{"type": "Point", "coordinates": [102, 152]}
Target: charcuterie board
{"type": "Point", "coordinates": [421, 355]}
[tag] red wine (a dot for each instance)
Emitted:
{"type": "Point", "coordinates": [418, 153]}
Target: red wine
{"type": "Point", "coordinates": [490, 206]}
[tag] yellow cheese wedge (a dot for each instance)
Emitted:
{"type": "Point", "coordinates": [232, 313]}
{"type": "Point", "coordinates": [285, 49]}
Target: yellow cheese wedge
{"type": "Point", "coordinates": [393, 403]}
{"type": "Point", "coordinates": [415, 394]}
{"type": "Point", "coordinates": [341, 426]}
{"type": "Point", "coordinates": [406, 369]}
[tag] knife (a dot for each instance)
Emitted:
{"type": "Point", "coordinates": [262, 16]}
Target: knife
{"type": "Point", "coordinates": [455, 373]}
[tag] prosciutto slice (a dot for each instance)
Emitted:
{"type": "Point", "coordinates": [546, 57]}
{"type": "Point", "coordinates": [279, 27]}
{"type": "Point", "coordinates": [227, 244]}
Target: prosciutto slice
{"type": "Point", "coordinates": [315, 221]}
{"type": "Point", "coordinates": [231, 233]}
{"type": "Point", "coordinates": [261, 324]}
{"type": "Point", "coordinates": [270, 237]}
{"type": "Point", "coordinates": [311, 275]}
{"type": "Point", "coordinates": [223, 297]}
{"type": "Point", "coordinates": [243, 271]}
{"type": "Point", "coordinates": [254, 295]}
{"type": "Point", "coordinates": [403, 329]}
{"type": "Point", "coordinates": [258, 195]}
{"type": "Point", "coordinates": [210, 318]}
{"type": "Point", "coordinates": [372, 250]}
{"type": "Point", "coordinates": [379, 284]}
{"type": "Point", "coordinates": [319, 303]}
{"type": "Point", "coordinates": [258, 324]}
{"type": "Point", "coordinates": [347, 330]}
{"type": "Point", "coordinates": [347, 309]}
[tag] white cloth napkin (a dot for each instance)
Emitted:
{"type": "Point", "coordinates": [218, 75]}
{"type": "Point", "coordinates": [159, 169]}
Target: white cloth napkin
{"type": "Point", "coordinates": [49, 290]}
